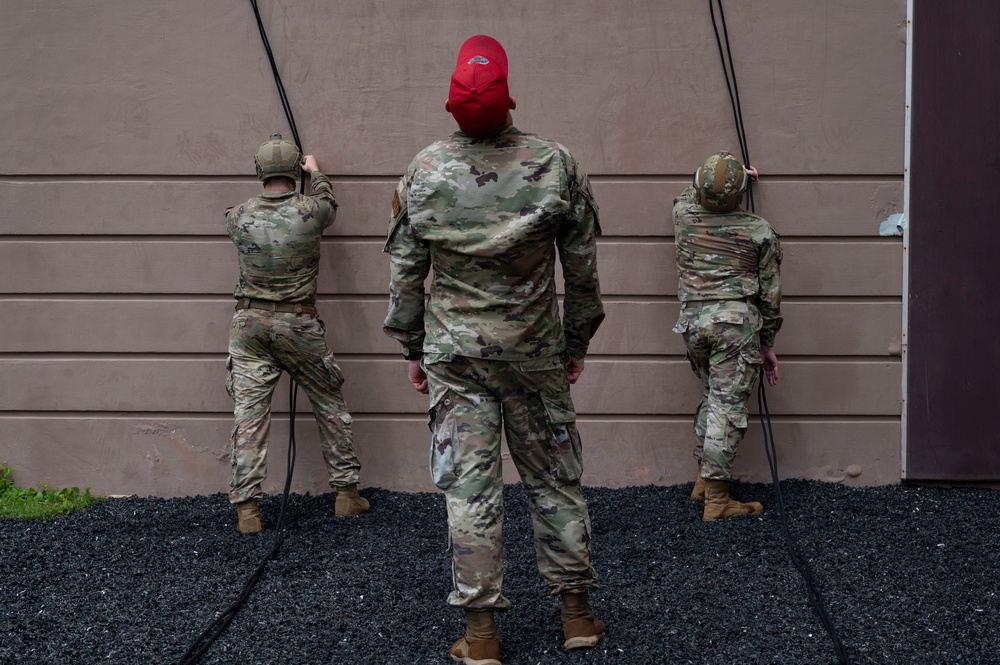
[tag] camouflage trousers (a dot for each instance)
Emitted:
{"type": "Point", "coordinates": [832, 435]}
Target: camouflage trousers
{"type": "Point", "coordinates": [471, 401]}
{"type": "Point", "coordinates": [724, 350]}
{"type": "Point", "coordinates": [261, 345]}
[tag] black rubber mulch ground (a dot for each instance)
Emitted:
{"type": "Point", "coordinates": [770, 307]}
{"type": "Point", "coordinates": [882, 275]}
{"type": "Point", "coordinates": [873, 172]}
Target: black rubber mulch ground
{"type": "Point", "coordinates": [908, 574]}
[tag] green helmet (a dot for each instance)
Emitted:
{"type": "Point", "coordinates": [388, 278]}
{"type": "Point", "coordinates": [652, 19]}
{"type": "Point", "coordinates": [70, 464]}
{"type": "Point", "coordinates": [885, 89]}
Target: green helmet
{"type": "Point", "coordinates": [720, 182]}
{"type": "Point", "coordinates": [278, 157]}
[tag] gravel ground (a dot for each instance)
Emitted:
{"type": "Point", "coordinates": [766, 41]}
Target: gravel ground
{"type": "Point", "coordinates": [908, 575]}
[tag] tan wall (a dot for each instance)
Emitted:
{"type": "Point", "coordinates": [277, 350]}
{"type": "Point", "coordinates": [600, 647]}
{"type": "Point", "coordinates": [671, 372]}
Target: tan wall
{"type": "Point", "coordinates": [131, 127]}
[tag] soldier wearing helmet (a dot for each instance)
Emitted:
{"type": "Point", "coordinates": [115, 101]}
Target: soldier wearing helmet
{"type": "Point", "coordinates": [729, 285]}
{"type": "Point", "coordinates": [278, 158]}
{"type": "Point", "coordinates": [276, 327]}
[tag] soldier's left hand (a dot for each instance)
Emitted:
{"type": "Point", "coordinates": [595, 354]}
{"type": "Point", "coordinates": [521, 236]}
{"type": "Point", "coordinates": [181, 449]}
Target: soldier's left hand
{"type": "Point", "coordinates": [417, 376]}
{"type": "Point", "coordinates": [770, 365]}
{"type": "Point", "coordinates": [574, 368]}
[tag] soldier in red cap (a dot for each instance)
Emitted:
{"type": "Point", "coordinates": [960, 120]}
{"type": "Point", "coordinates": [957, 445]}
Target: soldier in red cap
{"type": "Point", "coordinates": [489, 210]}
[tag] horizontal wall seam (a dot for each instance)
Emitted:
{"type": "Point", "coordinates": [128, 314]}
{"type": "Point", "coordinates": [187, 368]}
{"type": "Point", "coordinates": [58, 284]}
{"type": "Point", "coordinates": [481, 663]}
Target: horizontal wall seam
{"type": "Point", "coordinates": [420, 419]}
{"type": "Point", "coordinates": [390, 178]}
{"type": "Point", "coordinates": [333, 299]}
{"type": "Point", "coordinates": [164, 356]}
{"type": "Point", "coordinates": [787, 240]}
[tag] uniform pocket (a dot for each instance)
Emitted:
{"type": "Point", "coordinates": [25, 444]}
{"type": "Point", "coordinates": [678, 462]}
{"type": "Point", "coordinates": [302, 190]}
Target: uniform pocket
{"type": "Point", "coordinates": [685, 321]}
{"type": "Point", "coordinates": [444, 457]}
{"type": "Point", "coordinates": [541, 364]}
{"type": "Point", "coordinates": [564, 446]}
{"type": "Point", "coordinates": [728, 316]}
{"type": "Point", "coordinates": [736, 427]}
{"type": "Point", "coordinates": [751, 355]}
{"type": "Point", "coordinates": [756, 320]}
{"type": "Point", "coordinates": [559, 408]}
{"type": "Point", "coordinates": [334, 369]}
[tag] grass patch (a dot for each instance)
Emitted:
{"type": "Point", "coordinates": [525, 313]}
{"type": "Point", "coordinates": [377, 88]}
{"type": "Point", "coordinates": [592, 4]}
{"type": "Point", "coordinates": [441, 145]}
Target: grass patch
{"type": "Point", "coordinates": [42, 502]}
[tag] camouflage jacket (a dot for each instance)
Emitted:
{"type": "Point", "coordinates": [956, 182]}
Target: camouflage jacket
{"type": "Point", "coordinates": [278, 237]}
{"type": "Point", "coordinates": [727, 256]}
{"type": "Point", "coordinates": [489, 215]}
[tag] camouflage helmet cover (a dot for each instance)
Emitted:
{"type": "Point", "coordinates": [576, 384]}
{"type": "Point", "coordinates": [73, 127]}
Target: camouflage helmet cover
{"type": "Point", "coordinates": [278, 157]}
{"type": "Point", "coordinates": [720, 182]}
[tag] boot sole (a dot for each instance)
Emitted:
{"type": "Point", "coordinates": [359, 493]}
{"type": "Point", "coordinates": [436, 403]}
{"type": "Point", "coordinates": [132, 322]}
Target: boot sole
{"type": "Point", "coordinates": [755, 509]}
{"type": "Point", "coordinates": [350, 508]}
{"type": "Point", "coordinates": [588, 642]}
{"type": "Point", "coordinates": [250, 529]}
{"type": "Point", "coordinates": [473, 661]}
{"type": "Point", "coordinates": [469, 660]}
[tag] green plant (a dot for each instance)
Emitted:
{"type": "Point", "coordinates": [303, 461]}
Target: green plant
{"type": "Point", "coordinates": [42, 502]}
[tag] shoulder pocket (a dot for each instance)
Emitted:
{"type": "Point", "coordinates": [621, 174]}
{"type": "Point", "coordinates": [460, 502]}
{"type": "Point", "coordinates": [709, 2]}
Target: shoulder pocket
{"type": "Point", "coordinates": [398, 212]}
{"type": "Point", "coordinates": [583, 186]}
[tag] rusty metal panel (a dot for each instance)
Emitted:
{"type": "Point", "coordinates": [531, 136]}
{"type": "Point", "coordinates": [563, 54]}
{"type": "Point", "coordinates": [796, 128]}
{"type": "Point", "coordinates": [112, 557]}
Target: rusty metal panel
{"type": "Point", "coordinates": [954, 284]}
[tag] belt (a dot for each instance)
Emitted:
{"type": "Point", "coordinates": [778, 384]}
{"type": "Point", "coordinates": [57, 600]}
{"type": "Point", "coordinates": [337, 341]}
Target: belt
{"type": "Point", "coordinates": [272, 306]}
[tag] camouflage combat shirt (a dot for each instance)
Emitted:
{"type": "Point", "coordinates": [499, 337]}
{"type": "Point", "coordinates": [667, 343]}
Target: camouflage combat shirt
{"type": "Point", "coordinates": [489, 215]}
{"type": "Point", "coordinates": [278, 238]}
{"type": "Point", "coordinates": [727, 256]}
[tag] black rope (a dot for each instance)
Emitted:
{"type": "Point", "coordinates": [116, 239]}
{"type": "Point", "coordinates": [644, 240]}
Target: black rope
{"type": "Point", "coordinates": [815, 598]}
{"type": "Point", "coordinates": [222, 622]}
{"type": "Point", "coordinates": [734, 92]}
{"type": "Point", "coordinates": [286, 107]}
{"type": "Point", "coordinates": [798, 559]}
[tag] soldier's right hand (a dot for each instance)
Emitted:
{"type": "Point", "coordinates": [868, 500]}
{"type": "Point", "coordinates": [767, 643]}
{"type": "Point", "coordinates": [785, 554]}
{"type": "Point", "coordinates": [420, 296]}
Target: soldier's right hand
{"type": "Point", "coordinates": [309, 164]}
{"type": "Point", "coordinates": [574, 368]}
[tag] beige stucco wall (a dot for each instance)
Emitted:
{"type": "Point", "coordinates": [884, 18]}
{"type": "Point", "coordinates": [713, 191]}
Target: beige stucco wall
{"type": "Point", "coordinates": [130, 127]}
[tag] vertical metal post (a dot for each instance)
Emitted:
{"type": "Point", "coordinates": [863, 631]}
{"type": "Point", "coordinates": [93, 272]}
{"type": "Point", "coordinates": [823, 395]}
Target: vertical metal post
{"type": "Point", "coordinates": [906, 231]}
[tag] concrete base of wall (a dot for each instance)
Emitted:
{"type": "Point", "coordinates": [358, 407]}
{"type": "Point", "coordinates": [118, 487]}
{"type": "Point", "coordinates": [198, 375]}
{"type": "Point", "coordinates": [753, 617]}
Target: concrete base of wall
{"type": "Point", "coordinates": [189, 456]}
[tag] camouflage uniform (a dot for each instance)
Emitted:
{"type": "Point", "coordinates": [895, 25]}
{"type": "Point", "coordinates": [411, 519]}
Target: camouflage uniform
{"type": "Point", "coordinates": [489, 214]}
{"type": "Point", "coordinates": [729, 285]}
{"type": "Point", "coordinates": [278, 239]}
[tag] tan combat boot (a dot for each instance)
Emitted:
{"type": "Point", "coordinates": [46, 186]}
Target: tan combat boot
{"type": "Point", "coordinates": [698, 491]}
{"type": "Point", "coordinates": [481, 644]}
{"type": "Point", "coordinates": [349, 502]}
{"type": "Point", "coordinates": [581, 628]}
{"type": "Point", "coordinates": [718, 505]}
{"type": "Point", "coordinates": [248, 516]}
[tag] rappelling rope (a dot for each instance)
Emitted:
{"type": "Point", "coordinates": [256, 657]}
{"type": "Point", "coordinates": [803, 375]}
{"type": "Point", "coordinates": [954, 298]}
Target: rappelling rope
{"type": "Point", "coordinates": [815, 598]}
{"type": "Point", "coordinates": [222, 622]}
{"type": "Point", "coordinates": [734, 93]}
{"type": "Point", "coordinates": [281, 87]}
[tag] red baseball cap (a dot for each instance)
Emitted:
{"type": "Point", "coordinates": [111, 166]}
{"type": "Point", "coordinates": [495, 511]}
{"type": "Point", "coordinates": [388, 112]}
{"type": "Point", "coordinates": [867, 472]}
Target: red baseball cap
{"type": "Point", "coordinates": [479, 97]}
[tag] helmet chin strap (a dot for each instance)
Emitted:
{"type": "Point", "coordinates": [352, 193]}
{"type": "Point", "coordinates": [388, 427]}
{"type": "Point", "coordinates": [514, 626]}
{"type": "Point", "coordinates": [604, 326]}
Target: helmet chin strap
{"type": "Point", "coordinates": [696, 181]}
